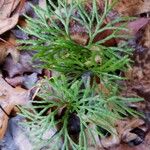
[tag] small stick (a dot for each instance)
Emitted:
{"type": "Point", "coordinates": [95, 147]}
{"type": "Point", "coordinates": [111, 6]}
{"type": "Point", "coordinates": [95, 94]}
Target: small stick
{"type": "Point", "coordinates": [4, 111]}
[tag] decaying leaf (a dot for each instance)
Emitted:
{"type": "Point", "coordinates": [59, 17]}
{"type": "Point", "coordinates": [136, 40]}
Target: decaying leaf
{"type": "Point", "coordinates": [7, 7]}
{"type": "Point", "coordinates": [132, 131]}
{"type": "Point", "coordinates": [8, 23]}
{"type": "Point", "coordinates": [6, 20]}
{"type": "Point", "coordinates": [9, 97]}
{"type": "Point", "coordinates": [145, 7]}
{"type": "Point", "coordinates": [3, 51]}
{"type": "Point", "coordinates": [138, 24]}
{"type": "Point", "coordinates": [128, 124]}
{"type": "Point", "coordinates": [144, 146]}
{"type": "Point", "coordinates": [27, 81]}
{"type": "Point", "coordinates": [133, 7]}
{"type": "Point", "coordinates": [24, 65]}
{"type": "Point", "coordinates": [145, 41]}
{"type": "Point", "coordinates": [138, 82]}
{"type": "Point", "coordinates": [8, 46]}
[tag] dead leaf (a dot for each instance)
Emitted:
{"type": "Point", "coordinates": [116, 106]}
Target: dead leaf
{"type": "Point", "coordinates": [15, 81]}
{"type": "Point", "coordinates": [124, 128]}
{"type": "Point", "coordinates": [8, 47]}
{"type": "Point", "coordinates": [9, 97]}
{"type": "Point", "coordinates": [3, 52]}
{"type": "Point", "coordinates": [144, 146]}
{"type": "Point", "coordinates": [145, 7]}
{"type": "Point", "coordinates": [27, 81]}
{"type": "Point", "coordinates": [133, 7]}
{"type": "Point", "coordinates": [145, 41]}
{"type": "Point", "coordinates": [128, 124]}
{"type": "Point", "coordinates": [8, 23]}
{"type": "Point", "coordinates": [6, 9]}
{"type": "Point", "coordinates": [24, 65]}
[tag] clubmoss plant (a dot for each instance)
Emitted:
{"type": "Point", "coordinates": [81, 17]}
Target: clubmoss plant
{"type": "Point", "coordinates": [71, 108]}
{"type": "Point", "coordinates": [73, 100]}
{"type": "Point", "coordinates": [57, 49]}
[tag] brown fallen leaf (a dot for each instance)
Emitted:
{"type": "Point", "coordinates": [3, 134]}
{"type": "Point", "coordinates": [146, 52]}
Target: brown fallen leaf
{"type": "Point", "coordinates": [9, 97]}
{"type": "Point", "coordinates": [8, 46]}
{"type": "Point", "coordinates": [128, 124]}
{"type": "Point", "coordinates": [7, 7]}
{"type": "Point", "coordinates": [145, 7]}
{"type": "Point", "coordinates": [144, 146]}
{"type": "Point", "coordinates": [3, 52]}
{"type": "Point", "coordinates": [7, 21]}
{"type": "Point", "coordinates": [133, 7]}
{"type": "Point", "coordinates": [145, 41]}
{"type": "Point", "coordinates": [139, 82]}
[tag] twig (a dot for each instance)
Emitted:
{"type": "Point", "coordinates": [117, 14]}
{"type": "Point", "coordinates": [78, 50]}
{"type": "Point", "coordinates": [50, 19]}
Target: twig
{"type": "Point", "coordinates": [5, 111]}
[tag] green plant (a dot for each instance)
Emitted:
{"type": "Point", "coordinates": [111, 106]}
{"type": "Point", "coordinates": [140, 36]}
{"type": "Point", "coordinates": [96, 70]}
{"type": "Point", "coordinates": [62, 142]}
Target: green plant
{"type": "Point", "coordinates": [75, 92]}
{"type": "Point", "coordinates": [58, 51]}
{"type": "Point", "coordinates": [60, 101]}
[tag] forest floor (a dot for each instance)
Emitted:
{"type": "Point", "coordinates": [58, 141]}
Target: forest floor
{"type": "Point", "coordinates": [18, 75]}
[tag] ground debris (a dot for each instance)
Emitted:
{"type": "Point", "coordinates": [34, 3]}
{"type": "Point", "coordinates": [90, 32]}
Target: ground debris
{"type": "Point", "coordinates": [9, 97]}
{"type": "Point", "coordinates": [133, 7]}
{"type": "Point", "coordinates": [7, 21]}
{"type": "Point", "coordinates": [15, 137]}
{"type": "Point", "coordinates": [24, 65]}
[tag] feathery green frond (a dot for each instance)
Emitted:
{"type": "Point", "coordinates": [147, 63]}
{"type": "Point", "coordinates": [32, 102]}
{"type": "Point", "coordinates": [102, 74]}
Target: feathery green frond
{"type": "Point", "coordinates": [60, 100]}
{"type": "Point", "coordinates": [58, 51]}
